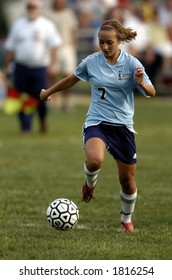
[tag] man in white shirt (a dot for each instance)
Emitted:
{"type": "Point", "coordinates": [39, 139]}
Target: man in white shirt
{"type": "Point", "coordinates": [32, 47]}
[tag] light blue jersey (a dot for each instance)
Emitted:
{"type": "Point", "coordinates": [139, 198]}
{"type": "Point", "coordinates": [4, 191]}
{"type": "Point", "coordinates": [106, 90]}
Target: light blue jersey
{"type": "Point", "coordinates": [112, 88]}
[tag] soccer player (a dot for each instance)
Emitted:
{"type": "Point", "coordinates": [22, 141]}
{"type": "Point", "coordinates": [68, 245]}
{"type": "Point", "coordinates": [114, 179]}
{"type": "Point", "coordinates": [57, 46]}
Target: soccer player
{"type": "Point", "coordinates": [114, 75]}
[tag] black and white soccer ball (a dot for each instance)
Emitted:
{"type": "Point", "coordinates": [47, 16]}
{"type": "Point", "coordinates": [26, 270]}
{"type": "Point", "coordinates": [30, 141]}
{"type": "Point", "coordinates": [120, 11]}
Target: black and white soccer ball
{"type": "Point", "coordinates": [62, 214]}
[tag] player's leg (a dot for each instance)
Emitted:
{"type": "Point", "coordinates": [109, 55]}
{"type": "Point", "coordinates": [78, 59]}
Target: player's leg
{"type": "Point", "coordinates": [25, 122]}
{"type": "Point", "coordinates": [21, 82]}
{"type": "Point", "coordinates": [42, 115]}
{"type": "Point", "coordinates": [95, 150]}
{"type": "Point", "coordinates": [128, 193]}
{"type": "Point", "coordinates": [40, 80]}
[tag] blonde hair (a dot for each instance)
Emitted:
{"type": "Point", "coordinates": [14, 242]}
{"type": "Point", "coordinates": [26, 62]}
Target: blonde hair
{"type": "Point", "coordinates": [122, 34]}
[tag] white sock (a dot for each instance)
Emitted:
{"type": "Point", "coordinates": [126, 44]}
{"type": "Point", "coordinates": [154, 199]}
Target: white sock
{"type": "Point", "coordinates": [90, 177]}
{"type": "Point", "coordinates": [128, 204]}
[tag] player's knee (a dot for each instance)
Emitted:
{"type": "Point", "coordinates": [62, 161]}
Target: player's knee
{"type": "Point", "coordinates": [94, 164]}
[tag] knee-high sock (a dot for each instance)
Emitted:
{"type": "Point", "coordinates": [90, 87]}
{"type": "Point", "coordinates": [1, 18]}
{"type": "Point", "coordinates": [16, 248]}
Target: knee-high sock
{"type": "Point", "coordinates": [128, 204]}
{"type": "Point", "coordinates": [90, 177]}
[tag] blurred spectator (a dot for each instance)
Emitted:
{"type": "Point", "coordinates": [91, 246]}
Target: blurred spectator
{"type": "Point", "coordinates": [152, 61]}
{"type": "Point", "coordinates": [112, 12]}
{"type": "Point", "coordinates": [152, 46]}
{"type": "Point", "coordinates": [107, 4]}
{"type": "Point", "coordinates": [95, 7]}
{"type": "Point", "coordinates": [157, 32]}
{"type": "Point", "coordinates": [134, 18]}
{"type": "Point", "coordinates": [169, 34]}
{"type": "Point", "coordinates": [87, 27]}
{"type": "Point", "coordinates": [115, 12]}
{"type": "Point", "coordinates": [67, 23]}
{"type": "Point", "coordinates": [31, 46]}
{"type": "Point", "coordinates": [152, 56]}
{"type": "Point", "coordinates": [148, 9]}
{"type": "Point", "coordinates": [165, 12]}
{"type": "Point", "coordinates": [169, 31]}
{"type": "Point", "coordinates": [159, 38]}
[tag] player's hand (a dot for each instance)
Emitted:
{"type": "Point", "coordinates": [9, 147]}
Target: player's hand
{"type": "Point", "coordinates": [44, 95]}
{"type": "Point", "coordinates": [138, 76]}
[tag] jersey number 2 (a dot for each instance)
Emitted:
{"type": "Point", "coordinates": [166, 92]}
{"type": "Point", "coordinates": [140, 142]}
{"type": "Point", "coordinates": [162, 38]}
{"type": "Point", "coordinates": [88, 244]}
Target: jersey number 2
{"type": "Point", "coordinates": [103, 91]}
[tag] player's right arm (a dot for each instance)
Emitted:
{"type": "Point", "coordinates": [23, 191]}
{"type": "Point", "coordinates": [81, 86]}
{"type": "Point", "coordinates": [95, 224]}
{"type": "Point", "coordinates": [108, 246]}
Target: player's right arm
{"type": "Point", "coordinates": [59, 86]}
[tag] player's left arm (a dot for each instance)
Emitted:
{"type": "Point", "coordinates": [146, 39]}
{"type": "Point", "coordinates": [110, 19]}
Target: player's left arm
{"type": "Point", "coordinates": [65, 83]}
{"type": "Point", "coordinates": [139, 81]}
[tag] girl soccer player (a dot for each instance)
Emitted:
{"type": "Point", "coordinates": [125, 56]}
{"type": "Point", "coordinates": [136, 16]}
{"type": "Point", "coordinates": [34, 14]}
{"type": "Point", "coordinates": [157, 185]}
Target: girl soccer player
{"type": "Point", "coordinates": [113, 75]}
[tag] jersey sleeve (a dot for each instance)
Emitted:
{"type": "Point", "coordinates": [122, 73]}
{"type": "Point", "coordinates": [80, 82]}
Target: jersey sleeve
{"type": "Point", "coordinates": [81, 71]}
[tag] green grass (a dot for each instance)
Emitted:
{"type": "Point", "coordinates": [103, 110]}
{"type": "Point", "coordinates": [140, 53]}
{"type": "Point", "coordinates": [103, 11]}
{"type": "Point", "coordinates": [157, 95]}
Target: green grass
{"type": "Point", "coordinates": [38, 169]}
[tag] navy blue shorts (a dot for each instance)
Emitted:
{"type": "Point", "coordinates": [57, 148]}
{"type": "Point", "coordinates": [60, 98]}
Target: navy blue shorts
{"type": "Point", "coordinates": [30, 80]}
{"type": "Point", "coordinates": [119, 140]}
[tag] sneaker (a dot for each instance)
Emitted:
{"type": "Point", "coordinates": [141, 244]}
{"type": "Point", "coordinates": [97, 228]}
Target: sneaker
{"type": "Point", "coordinates": [87, 193]}
{"type": "Point", "coordinates": [127, 227]}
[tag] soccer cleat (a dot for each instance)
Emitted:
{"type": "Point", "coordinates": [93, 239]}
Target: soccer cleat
{"type": "Point", "coordinates": [87, 193]}
{"type": "Point", "coordinates": [127, 227]}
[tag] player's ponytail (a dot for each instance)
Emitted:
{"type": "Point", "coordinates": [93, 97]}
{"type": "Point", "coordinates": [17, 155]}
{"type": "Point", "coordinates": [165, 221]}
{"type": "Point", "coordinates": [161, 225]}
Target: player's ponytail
{"type": "Point", "coordinates": [123, 34]}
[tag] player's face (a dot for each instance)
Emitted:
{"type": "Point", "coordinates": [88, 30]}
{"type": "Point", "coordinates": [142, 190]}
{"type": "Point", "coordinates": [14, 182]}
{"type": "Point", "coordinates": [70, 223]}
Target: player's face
{"type": "Point", "coordinates": [109, 44]}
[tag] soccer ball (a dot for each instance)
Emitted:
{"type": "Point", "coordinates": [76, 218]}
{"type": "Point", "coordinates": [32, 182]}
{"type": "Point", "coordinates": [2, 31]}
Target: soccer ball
{"type": "Point", "coordinates": [62, 214]}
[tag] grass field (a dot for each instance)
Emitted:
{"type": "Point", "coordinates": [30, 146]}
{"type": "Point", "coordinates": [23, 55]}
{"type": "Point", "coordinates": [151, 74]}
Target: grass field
{"type": "Point", "coordinates": [38, 169]}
